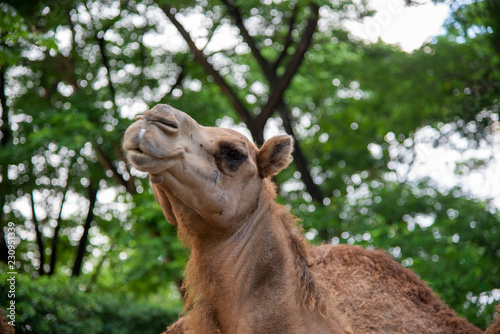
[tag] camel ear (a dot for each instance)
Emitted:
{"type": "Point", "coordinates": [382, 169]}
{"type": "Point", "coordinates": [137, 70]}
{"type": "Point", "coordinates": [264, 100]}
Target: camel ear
{"type": "Point", "coordinates": [274, 155]}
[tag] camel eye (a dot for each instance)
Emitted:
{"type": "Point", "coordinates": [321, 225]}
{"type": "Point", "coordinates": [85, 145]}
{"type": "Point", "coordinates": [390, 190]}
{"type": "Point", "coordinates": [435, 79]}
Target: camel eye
{"type": "Point", "coordinates": [229, 158]}
{"type": "Point", "coordinates": [234, 155]}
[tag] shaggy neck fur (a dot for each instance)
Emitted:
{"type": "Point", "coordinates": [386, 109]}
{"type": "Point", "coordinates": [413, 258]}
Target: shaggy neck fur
{"type": "Point", "coordinates": [257, 280]}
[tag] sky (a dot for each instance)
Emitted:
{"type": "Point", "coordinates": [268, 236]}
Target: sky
{"type": "Point", "coordinates": [406, 26]}
{"type": "Point", "coordinates": [440, 163]}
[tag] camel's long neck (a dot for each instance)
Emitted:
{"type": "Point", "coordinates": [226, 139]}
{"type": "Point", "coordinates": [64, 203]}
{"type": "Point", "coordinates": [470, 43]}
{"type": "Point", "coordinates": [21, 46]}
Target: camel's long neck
{"type": "Point", "coordinates": [250, 271]}
{"type": "Point", "coordinates": [248, 282]}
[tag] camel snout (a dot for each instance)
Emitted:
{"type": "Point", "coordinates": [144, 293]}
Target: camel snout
{"type": "Point", "coordinates": [164, 117]}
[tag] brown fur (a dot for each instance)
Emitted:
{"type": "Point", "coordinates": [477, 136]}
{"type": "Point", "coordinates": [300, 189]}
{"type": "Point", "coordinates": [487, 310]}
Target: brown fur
{"type": "Point", "coordinates": [5, 328]}
{"type": "Point", "coordinates": [378, 295]}
{"type": "Point", "coordinates": [268, 279]}
{"type": "Point", "coordinates": [375, 294]}
{"type": "Point", "coordinates": [494, 328]}
{"type": "Point", "coordinates": [250, 270]}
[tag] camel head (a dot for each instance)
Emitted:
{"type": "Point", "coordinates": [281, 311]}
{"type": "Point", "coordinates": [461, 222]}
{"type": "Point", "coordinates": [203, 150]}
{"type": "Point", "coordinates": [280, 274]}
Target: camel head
{"type": "Point", "coordinates": [205, 179]}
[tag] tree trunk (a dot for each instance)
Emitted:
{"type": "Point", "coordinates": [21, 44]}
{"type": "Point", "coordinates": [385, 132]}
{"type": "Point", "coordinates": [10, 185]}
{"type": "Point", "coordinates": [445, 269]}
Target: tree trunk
{"type": "Point", "coordinates": [55, 239]}
{"type": "Point", "coordinates": [39, 236]}
{"type": "Point", "coordinates": [3, 243]}
{"type": "Point", "coordinates": [82, 245]}
{"type": "Point", "coordinates": [299, 159]}
{"type": "Point", "coordinates": [5, 127]}
{"type": "Point", "coordinates": [5, 133]}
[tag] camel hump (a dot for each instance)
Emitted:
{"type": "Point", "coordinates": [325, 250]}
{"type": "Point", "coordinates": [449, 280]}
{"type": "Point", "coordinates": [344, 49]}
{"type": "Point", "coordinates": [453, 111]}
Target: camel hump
{"type": "Point", "coordinates": [373, 290]}
{"type": "Point", "coordinates": [494, 328]}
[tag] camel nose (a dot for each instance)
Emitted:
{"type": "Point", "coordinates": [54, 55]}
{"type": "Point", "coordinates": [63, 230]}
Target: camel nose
{"type": "Point", "coordinates": [164, 117]}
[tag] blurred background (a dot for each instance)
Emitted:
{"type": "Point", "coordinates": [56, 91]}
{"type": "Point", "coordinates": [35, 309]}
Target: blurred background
{"type": "Point", "coordinates": [393, 105]}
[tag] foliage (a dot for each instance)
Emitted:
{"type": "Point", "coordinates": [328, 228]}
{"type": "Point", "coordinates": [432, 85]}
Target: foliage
{"type": "Point", "coordinates": [63, 306]}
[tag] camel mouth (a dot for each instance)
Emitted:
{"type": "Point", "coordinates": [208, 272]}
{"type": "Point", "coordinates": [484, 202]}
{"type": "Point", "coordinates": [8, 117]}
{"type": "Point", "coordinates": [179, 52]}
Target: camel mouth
{"type": "Point", "coordinates": [137, 150]}
{"type": "Point", "coordinates": [152, 163]}
{"type": "Point", "coordinates": [143, 161]}
{"type": "Point", "coordinates": [152, 139]}
{"type": "Point", "coordinates": [152, 155]}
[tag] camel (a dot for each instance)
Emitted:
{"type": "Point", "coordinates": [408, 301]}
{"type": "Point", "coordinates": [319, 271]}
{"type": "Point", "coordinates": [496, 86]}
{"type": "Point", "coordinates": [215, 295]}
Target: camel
{"type": "Point", "coordinates": [250, 269]}
{"type": "Point", "coordinates": [494, 328]}
{"type": "Point", "coordinates": [5, 327]}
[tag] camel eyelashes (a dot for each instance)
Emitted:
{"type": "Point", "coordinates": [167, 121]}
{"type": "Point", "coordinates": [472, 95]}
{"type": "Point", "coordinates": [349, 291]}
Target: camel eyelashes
{"type": "Point", "coordinates": [234, 157]}
{"type": "Point", "coordinates": [229, 158]}
{"type": "Point", "coordinates": [230, 152]}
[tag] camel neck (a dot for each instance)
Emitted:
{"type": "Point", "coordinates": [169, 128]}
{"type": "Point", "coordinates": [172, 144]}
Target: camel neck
{"type": "Point", "coordinates": [249, 280]}
{"type": "Point", "coordinates": [257, 235]}
{"type": "Point", "coordinates": [243, 229]}
{"type": "Point", "coordinates": [250, 271]}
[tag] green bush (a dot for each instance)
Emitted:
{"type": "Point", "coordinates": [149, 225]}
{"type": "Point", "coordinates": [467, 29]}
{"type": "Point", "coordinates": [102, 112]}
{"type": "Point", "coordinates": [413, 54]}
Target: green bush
{"type": "Point", "coordinates": [48, 305]}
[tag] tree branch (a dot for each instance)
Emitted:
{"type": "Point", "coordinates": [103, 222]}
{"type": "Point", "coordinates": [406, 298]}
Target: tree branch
{"type": "Point", "coordinates": [55, 238]}
{"type": "Point", "coordinates": [298, 158]}
{"type": "Point", "coordinates": [6, 134]}
{"type": "Point", "coordinates": [38, 234]}
{"type": "Point", "coordinates": [288, 41]}
{"type": "Point", "coordinates": [180, 77]}
{"type": "Point", "coordinates": [4, 256]}
{"type": "Point", "coordinates": [82, 245]}
{"type": "Point", "coordinates": [96, 272]}
{"type": "Point", "coordinates": [102, 50]}
{"type": "Point", "coordinates": [285, 80]}
{"type": "Point", "coordinates": [131, 180]}
{"type": "Point", "coordinates": [5, 127]}
{"type": "Point", "coordinates": [263, 63]}
{"type": "Point", "coordinates": [106, 161]}
{"type": "Point", "coordinates": [219, 80]}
